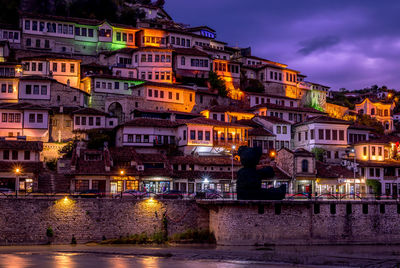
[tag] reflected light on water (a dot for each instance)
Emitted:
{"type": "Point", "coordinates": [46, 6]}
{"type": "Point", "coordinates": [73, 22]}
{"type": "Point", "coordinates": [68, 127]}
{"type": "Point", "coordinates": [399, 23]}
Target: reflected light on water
{"type": "Point", "coordinates": [150, 262]}
{"type": "Point", "coordinates": [64, 260]}
{"type": "Point", "coordinates": [118, 262]}
{"type": "Point", "coordinates": [13, 261]}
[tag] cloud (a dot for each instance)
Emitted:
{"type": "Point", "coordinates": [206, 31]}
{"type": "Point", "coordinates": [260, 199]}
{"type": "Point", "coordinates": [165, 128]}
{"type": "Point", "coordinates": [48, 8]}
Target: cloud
{"type": "Point", "coordinates": [318, 43]}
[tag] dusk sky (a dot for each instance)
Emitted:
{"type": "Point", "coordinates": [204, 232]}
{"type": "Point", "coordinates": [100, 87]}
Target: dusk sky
{"type": "Point", "coordinates": [352, 44]}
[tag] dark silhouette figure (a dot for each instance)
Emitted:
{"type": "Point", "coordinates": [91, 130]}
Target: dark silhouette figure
{"type": "Point", "coordinates": [249, 178]}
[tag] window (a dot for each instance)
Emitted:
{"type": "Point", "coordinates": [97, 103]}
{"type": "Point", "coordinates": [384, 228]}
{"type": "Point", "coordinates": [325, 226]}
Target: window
{"type": "Point", "coordinates": [46, 43]}
{"type": "Point", "coordinates": [37, 42]}
{"type": "Point", "coordinates": [380, 151]}
{"type": "Point", "coordinates": [192, 134]}
{"type": "Point", "coordinates": [170, 95]}
{"type": "Point", "coordinates": [200, 135]}
{"type": "Point", "coordinates": [118, 36]}
{"type": "Point", "coordinates": [299, 136]}
{"type": "Point", "coordinates": [90, 32]}
{"type": "Point", "coordinates": [149, 58]}
{"type": "Point", "coordinates": [77, 120]}
{"type": "Point", "coordinates": [183, 60]}
{"type": "Point", "coordinates": [150, 93]}
{"type": "Point", "coordinates": [278, 129]}
{"type": "Point", "coordinates": [54, 66]}
{"type": "Point", "coordinates": [36, 89]}
{"type": "Point", "coordinates": [33, 66]}
{"type": "Point", "coordinates": [6, 154]}
{"type": "Point", "coordinates": [334, 134]}
{"type": "Point", "coordinates": [341, 135]}
{"type": "Point", "coordinates": [40, 118]}
{"type": "Point", "coordinates": [304, 165]}
{"type": "Point", "coordinates": [27, 25]}
{"type": "Point", "coordinates": [377, 172]}
{"type": "Point", "coordinates": [320, 134]}
{"type": "Point", "coordinates": [10, 88]}
{"type": "Point", "coordinates": [14, 155]}
{"type": "Point", "coordinates": [130, 38]}
{"type": "Point", "coordinates": [27, 155]}
{"type": "Point", "coordinates": [184, 135]}
{"type": "Point", "coordinates": [138, 138]}
{"type": "Point", "coordinates": [373, 150]}
{"type": "Point", "coordinates": [116, 85]}
{"type": "Point", "coordinates": [177, 96]}
{"type": "Point", "coordinates": [83, 122]}
{"type": "Point", "coordinates": [90, 121]}
{"type": "Point", "coordinates": [371, 172]}
{"type": "Point", "coordinates": [40, 66]}
{"type": "Point", "coordinates": [43, 90]}
{"type": "Point", "coordinates": [365, 151]}
{"type": "Point", "coordinates": [63, 67]}
{"type": "Point", "coordinates": [72, 68]}
{"type": "Point", "coordinates": [207, 135]}
{"type": "Point", "coordinates": [124, 37]}
{"type": "Point", "coordinates": [327, 134]}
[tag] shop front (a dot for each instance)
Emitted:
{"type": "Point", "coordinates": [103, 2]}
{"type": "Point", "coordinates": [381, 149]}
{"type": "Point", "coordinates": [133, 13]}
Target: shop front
{"type": "Point", "coordinates": [155, 185]}
{"type": "Point", "coordinates": [120, 184]}
{"type": "Point", "coordinates": [22, 184]}
{"type": "Point", "coordinates": [305, 186]}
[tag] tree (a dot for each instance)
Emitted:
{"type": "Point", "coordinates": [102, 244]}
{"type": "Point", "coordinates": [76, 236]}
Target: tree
{"type": "Point", "coordinates": [218, 83]}
{"type": "Point", "coordinates": [318, 153]}
{"type": "Point", "coordinates": [367, 120]}
{"type": "Point", "coordinates": [67, 149]}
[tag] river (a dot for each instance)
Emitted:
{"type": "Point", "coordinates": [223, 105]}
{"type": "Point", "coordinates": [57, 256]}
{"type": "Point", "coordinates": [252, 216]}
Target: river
{"type": "Point", "coordinates": [195, 256]}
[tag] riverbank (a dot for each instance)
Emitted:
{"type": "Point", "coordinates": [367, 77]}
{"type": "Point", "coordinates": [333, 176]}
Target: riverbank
{"type": "Point", "coordinates": [200, 255]}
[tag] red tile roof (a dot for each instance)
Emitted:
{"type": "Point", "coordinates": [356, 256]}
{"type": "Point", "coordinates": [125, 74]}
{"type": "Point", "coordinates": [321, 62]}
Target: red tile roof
{"type": "Point", "coordinates": [90, 111]}
{"type": "Point", "coordinates": [21, 145]}
{"type": "Point", "coordinates": [287, 108]}
{"type": "Point", "coordinates": [275, 120]}
{"type": "Point", "coordinates": [151, 122]}
{"type": "Point", "coordinates": [325, 120]}
{"type": "Point", "coordinates": [332, 171]}
{"type": "Point", "coordinates": [203, 160]}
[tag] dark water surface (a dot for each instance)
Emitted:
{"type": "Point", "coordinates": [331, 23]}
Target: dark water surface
{"type": "Point", "coordinates": [195, 256]}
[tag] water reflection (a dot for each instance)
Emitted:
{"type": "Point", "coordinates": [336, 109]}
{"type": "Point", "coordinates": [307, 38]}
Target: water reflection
{"type": "Point", "coordinates": [118, 262]}
{"type": "Point", "coordinates": [13, 261]}
{"type": "Point", "coordinates": [65, 260]}
{"type": "Point", "coordinates": [150, 262]}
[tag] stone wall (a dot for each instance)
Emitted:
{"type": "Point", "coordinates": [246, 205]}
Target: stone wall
{"type": "Point", "coordinates": [298, 222]}
{"type": "Point", "coordinates": [24, 221]}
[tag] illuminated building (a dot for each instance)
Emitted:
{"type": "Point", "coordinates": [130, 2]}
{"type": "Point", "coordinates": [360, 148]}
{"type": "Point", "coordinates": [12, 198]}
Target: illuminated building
{"type": "Point", "coordinates": [329, 134]}
{"type": "Point", "coordinates": [20, 164]}
{"type": "Point", "coordinates": [24, 119]}
{"type": "Point", "coordinates": [227, 113]}
{"type": "Point", "coordinates": [381, 110]}
{"type": "Point", "coordinates": [64, 70]}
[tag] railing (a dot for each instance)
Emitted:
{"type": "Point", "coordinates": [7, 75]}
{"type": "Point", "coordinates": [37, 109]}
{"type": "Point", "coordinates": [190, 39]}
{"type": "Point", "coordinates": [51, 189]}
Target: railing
{"type": "Point", "coordinates": [229, 143]}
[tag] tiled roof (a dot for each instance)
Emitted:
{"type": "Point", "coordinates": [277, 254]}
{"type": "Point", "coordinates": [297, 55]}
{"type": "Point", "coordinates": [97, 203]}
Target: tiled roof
{"type": "Point", "coordinates": [190, 52]}
{"type": "Point", "coordinates": [36, 77]}
{"type": "Point", "coordinates": [90, 111]}
{"type": "Point", "coordinates": [271, 95]}
{"type": "Point", "coordinates": [287, 108]}
{"type": "Point", "coordinates": [381, 140]}
{"type": "Point", "coordinates": [302, 152]}
{"type": "Point", "coordinates": [21, 145]}
{"type": "Point", "coordinates": [361, 127]}
{"type": "Point", "coordinates": [259, 131]}
{"type": "Point", "coordinates": [323, 119]}
{"type": "Point", "coordinates": [22, 106]}
{"type": "Point", "coordinates": [48, 57]}
{"type": "Point", "coordinates": [279, 174]}
{"type": "Point", "coordinates": [166, 112]}
{"type": "Point", "coordinates": [26, 167]}
{"type": "Point", "coordinates": [386, 163]}
{"type": "Point", "coordinates": [108, 76]}
{"type": "Point", "coordinates": [203, 160]}
{"type": "Point", "coordinates": [332, 171]}
{"type": "Point", "coordinates": [165, 85]}
{"type": "Point", "coordinates": [151, 122]}
{"type": "Point", "coordinates": [228, 108]}
{"type": "Point", "coordinates": [275, 120]}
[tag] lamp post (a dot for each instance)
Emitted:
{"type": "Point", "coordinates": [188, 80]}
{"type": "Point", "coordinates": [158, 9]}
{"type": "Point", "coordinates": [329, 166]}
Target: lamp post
{"type": "Point", "coordinates": [354, 172]}
{"type": "Point", "coordinates": [17, 173]}
{"type": "Point", "coordinates": [122, 173]}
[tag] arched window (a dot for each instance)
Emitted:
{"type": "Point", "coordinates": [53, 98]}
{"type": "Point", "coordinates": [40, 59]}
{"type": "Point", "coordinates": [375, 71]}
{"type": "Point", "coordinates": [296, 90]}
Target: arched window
{"type": "Point", "coordinates": [373, 111]}
{"type": "Point", "coordinates": [304, 165]}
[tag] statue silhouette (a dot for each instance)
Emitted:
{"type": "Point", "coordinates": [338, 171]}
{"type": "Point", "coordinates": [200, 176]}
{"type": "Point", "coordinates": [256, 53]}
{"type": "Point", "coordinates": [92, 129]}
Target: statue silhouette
{"type": "Point", "coordinates": [249, 179]}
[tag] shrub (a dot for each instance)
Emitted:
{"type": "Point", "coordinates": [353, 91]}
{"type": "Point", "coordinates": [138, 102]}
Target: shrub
{"type": "Point", "coordinates": [49, 232]}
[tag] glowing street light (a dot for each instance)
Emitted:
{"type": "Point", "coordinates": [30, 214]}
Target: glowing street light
{"type": "Point", "coordinates": [121, 172]}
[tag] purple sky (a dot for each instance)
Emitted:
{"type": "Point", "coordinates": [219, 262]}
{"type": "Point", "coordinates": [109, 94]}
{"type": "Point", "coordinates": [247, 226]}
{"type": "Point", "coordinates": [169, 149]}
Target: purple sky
{"type": "Point", "coordinates": [338, 43]}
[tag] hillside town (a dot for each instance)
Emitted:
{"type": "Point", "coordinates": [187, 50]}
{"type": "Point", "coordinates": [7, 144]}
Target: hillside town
{"type": "Point", "coordinates": [92, 105]}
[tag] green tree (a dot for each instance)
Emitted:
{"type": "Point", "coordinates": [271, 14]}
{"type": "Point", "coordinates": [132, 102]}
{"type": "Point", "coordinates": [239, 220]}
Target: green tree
{"type": "Point", "coordinates": [68, 149]}
{"type": "Point", "coordinates": [318, 153]}
{"type": "Point", "coordinates": [367, 120]}
{"type": "Point", "coordinates": [218, 83]}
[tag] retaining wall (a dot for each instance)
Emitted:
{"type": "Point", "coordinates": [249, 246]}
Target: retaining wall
{"type": "Point", "coordinates": [26, 220]}
{"type": "Point", "coordinates": [304, 222]}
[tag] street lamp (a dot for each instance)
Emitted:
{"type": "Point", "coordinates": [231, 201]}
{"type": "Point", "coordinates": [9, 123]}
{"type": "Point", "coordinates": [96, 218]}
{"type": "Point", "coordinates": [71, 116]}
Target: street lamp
{"type": "Point", "coordinates": [121, 172]}
{"type": "Point", "coordinates": [17, 173]}
{"type": "Point", "coordinates": [354, 171]}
